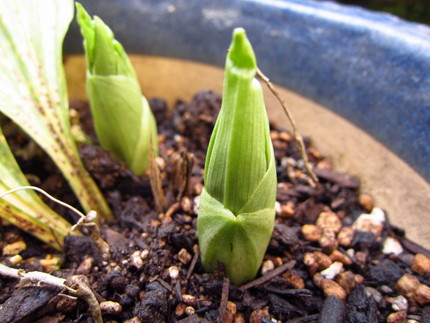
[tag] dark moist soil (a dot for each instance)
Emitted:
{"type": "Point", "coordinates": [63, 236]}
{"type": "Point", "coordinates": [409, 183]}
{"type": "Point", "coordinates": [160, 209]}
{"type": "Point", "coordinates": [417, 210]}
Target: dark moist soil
{"type": "Point", "coordinates": [155, 274]}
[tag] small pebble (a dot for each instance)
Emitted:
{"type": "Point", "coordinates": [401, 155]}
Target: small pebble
{"type": "Point", "coordinates": [197, 201]}
{"type": "Point", "coordinates": [278, 209]}
{"type": "Point", "coordinates": [309, 259]}
{"type": "Point", "coordinates": [284, 136]}
{"type": "Point", "coordinates": [311, 232]}
{"type": "Point", "coordinates": [197, 190]}
{"type": "Point", "coordinates": [421, 264]}
{"type": "Point", "coordinates": [322, 260]}
{"type": "Point", "coordinates": [189, 310]}
{"type": "Point", "coordinates": [187, 204]}
{"type": "Point", "coordinates": [14, 248]}
{"type": "Point", "coordinates": [359, 279]}
{"type": "Point", "coordinates": [315, 153]}
{"type": "Point", "coordinates": [366, 201]}
{"type": "Point", "coordinates": [407, 285]}
{"type": "Point", "coordinates": [274, 135]}
{"type": "Point", "coordinates": [277, 261]}
{"type": "Point", "coordinates": [329, 221]}
{"type": "Point", "coordinates": [387, 289]}
{"type": "Point", "coordinates": [288, 209]}
{"type": "Point", "coordinates": [231, 307]}
{"type": "Point", "coordinates": [293, 279]}
{"type": "Point", "coordinates": [258, 315]}
{"type": "Point", "coordinates": [372, 222]}
{"type": "Point", "coordinates": [397, 317]}
{"type": "Point", "coordinates": [392, 246]}
{"type": "Point", "coordinates": [331, 288]}
{"type": "Point", "coordinates": [267, 266]}
{"type": "Point", "coordinates": [328, 240]}
{"type": "Point", "coordinates": [422, 294]}
{"type": "Point", "coordinates": [136, 259]}
{"type": "Point", "coordinates": [144, 254]}
{"type": "Point", "coordinates": [189, 299]}
{"type": "Point", "coordinates": [337, 255]}
{"type": "Point", "coordinates": [230, 312]}
{"type": "Point", "coordinates": [351, 253]}
{"type": "Point", "coordinates": [373, 292]}
{"type": "Point", "coordinates": [346, 280]}
{"type": "Point", "coordinates": [173, 272]}
{"type": "Point", "coordinates": [110, 307]}
{"type": "Point", "coordinates": [184, 256]}
{"type": "Point", "coordinates": [399, 303]}
{"type": "Point", "coordinates": [50, 263]}
{"type": "Point", "coordinates": [324, 164]}
{"type": "Point", "coordinates": [333, 270]}
{"type": "Point", "coordinates": [239, 318]}
{"type": "Point", "coordinates": [15, 260]}
{"type": "Point", "coordinates": [317, 279]}
{"type": "Point", "coordinates": [180, 309]}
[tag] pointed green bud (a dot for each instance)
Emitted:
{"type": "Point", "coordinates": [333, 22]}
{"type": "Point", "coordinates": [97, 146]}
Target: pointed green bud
{"type": "Point", "coordinates": [123, 120]}
{"type": "Point", "coordinates": [237, 205]}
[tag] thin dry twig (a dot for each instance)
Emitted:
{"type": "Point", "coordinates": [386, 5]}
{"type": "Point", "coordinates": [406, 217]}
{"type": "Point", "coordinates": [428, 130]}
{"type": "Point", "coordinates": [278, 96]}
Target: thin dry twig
{"type": "Point", "coordinates": [156, 183]}
{"type": "Point", "coordinates": [224, 299]}
{"type": "Point", "coordinates": [182, 165]}
{"type": "Point", "coordinates": [173, 209]}
{"type": "Point", "coordinates": [271, 274]}
{"type": "Point", "coordinates": [296, 135]}
{"type": "Point", "coordinates": [192, 265]}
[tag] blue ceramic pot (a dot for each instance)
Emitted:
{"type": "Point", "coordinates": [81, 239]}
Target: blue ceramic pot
{"type": "Point", "coordinates": [371, 68]}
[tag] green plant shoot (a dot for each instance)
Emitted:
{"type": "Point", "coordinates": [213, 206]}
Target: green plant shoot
{"type": "Point", "coordinates": [25, 209]}
{"type": "Point", "coordinates": [237, 205]}
{"type": "Point", "coordinates": [33, 87]}
{"type": "Point", "coordinates": [123, 120]}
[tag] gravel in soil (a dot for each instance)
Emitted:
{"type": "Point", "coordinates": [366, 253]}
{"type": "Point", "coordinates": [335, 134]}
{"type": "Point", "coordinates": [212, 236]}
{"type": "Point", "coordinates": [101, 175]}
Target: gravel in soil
{"type": "Point", "coordinates": [333, 256]}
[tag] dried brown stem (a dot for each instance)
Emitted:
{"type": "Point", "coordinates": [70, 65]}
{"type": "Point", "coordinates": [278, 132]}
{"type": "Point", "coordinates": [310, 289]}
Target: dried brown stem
{"type": "Point", "coordinates": [224, 299]}
{"type": "Point", "coordinates": [271, 274]}
{"type": "Point", "coordinates": [296, 135]}
{"type": "Point", "coordinates": [192, 265]}
{"type": "Point", "coordinates": [156, 184]}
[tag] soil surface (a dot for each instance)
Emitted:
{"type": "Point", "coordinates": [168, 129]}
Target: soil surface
{"type": "Point", "coordinates": [333, 257]}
